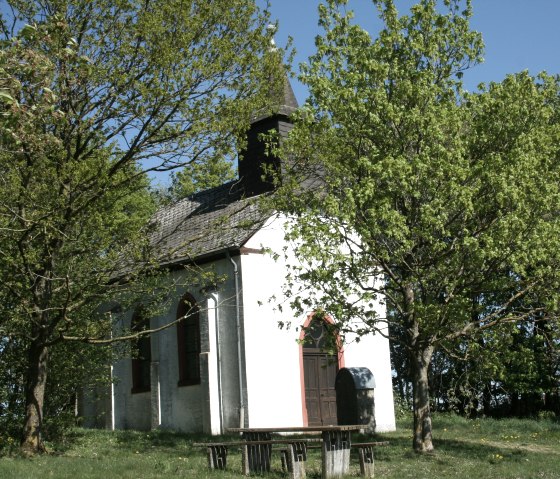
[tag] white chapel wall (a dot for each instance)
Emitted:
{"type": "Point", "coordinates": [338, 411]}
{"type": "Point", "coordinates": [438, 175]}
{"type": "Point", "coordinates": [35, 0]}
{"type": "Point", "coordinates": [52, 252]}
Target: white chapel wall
{"type": "Point", "coordinates": [271, 377]}
{"type": "Point", "coordinates": [274, 378]}
{"type": "Point", "coordinates": [272, 354]}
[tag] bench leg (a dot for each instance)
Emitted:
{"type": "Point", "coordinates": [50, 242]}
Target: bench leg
{"type": "Point", "coordinates": [366, 461]}
{"type": "Point", "coordinates": [256, 457]}
{"type": "Point", "coordinates": [336, 454]}
{"type": "Point", "coordinates": [217, 457]}
{"type": "Point", "coordinates": [296, 455]}
{"type": "Point", "coordinates": [284, 459]}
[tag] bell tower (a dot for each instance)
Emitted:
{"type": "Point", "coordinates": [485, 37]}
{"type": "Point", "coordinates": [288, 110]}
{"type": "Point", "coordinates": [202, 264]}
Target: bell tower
{"type": "Point", "coordinates": [254, 164]}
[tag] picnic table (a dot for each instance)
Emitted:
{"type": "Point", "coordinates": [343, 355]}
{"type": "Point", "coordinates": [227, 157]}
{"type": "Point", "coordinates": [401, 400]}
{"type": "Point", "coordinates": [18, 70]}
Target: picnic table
{"type": "Point", "coordinates": [335, 447]}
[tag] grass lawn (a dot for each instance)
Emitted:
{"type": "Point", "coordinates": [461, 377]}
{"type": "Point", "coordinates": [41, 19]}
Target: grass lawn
{"type": "Point", "coordinates": [474, 449]}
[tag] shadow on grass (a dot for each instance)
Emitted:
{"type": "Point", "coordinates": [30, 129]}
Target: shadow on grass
{"type": "Point", "coordinates": [400, 448]}
{"type": "Point", "coordinates": [130, 441]}
{"type": "Point", "coordinates": [175, 444]}
{"type": "Point", "coordinates": [466, 449]}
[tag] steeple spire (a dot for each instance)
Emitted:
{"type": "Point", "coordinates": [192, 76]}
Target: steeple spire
{"type": "Point", "coordinates": [281, 101]}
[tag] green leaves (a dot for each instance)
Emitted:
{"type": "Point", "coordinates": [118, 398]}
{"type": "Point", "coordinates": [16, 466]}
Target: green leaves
{"type": "Point", "coordinates": [94, 94]}
{"type": "Point", "coordinates": [7, 98]}
{"type": "Point", "coordinates": [439, 204]}
{"type": "Point", "coordinates": [443, 189]}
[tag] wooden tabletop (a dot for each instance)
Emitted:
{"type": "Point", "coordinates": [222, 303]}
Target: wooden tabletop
{"type": "Point", "coordinates": [354, 427]}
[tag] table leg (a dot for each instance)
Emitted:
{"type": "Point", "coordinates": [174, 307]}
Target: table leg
{"type": "Point", "coordinates": [336, 454]}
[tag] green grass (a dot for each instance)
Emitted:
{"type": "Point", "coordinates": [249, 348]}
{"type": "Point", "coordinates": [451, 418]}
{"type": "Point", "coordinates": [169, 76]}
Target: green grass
{"type": "Point", "coordinates": [474, 449]}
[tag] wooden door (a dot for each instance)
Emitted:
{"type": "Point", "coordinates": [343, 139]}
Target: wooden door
{"type": "Point", "coordinates": [328, 367]}
{"type": "Point", "coordinates": [312, 389]}
{"type": "Point", "coordinates": [319, 370]}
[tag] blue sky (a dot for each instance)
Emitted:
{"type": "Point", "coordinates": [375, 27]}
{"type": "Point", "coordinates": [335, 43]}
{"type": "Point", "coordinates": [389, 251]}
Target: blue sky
{"type": "Point", "coordinates": [518, 34]}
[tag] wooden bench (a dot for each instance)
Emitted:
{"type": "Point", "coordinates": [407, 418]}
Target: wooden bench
{"type": "Point", "coordinates": [335, 446]}
{"type": "Point", "coordinates": [365, 456]}
{"type": "Point", "coordinates": [293, 456]}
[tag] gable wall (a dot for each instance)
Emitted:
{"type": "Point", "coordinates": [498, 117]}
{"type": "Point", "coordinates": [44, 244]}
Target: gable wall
{"type": "Point", "coordinates": [274, 379]}
{"type": "Point", "coordinates": [272, 355]}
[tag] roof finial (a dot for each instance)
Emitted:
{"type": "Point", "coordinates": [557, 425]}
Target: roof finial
{"type": "Point", "coordinates": [271, 27]}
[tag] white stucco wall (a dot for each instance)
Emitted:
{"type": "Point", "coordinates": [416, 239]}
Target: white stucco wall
{"type": "Point", "coordinates": [272, 355]}
{"type": "Point", "coordinates": [274, 382]}
{"type": "Point", "coordinates": [373, 352]}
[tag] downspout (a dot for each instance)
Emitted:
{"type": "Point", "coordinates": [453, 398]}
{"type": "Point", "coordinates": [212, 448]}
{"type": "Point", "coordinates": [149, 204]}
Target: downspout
{"type": "Point", "coordinates": [238, 324]}
{"type": "Point", "coordinates": [112, 399]}
{"type": "Point", "coordinates": [112, 387]}
{"type": "Point", "coordinates": [214, 297]}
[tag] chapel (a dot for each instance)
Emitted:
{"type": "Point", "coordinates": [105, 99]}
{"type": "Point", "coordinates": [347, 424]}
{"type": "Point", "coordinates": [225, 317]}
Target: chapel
{"type": "Point", "coordinates": [229, 364]}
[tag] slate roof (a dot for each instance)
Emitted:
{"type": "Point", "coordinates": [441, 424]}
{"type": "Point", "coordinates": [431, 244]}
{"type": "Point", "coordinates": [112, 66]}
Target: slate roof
{"type": "Point", "coordinates": [205, 224]}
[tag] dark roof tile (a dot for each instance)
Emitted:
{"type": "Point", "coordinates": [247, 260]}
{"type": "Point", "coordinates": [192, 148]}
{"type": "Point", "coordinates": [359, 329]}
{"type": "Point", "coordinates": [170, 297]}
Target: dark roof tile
{"type": "Point", "coordinates": [205, 223]}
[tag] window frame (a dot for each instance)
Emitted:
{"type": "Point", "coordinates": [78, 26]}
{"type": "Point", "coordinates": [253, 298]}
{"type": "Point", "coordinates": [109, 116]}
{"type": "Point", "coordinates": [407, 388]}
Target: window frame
{"type": "Point", "coordinates": [188, 326]}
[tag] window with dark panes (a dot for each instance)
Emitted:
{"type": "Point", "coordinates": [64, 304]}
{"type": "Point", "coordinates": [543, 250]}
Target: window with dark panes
{"type": "Point", "coordinates": [141, 352]}
{"type": "Point", "coordinates": [188, 341]}
{"type": "Point", "coordinates": [320, 335]}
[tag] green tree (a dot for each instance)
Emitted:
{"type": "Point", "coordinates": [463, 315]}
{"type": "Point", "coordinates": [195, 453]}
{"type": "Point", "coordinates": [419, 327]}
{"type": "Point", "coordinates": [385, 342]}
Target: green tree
{"type": "Point", "coordinates": [430, 196]}
{"type": "Point", "coordinates": [72, 368]}
{"type": "Point", "coordinates": [512, 370]}
{"type": "Point", "coordinates": [93, 95]}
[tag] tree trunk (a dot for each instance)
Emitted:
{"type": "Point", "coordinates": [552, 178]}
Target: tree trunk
{"type": "Point", "coordinates": [32, 441]}
{"type": "Point", "coordinates": [422, 432]}
{"type": "Point", "coordinates": [420, 351]}
{"type": "Point", "coordinates": [487, 399]}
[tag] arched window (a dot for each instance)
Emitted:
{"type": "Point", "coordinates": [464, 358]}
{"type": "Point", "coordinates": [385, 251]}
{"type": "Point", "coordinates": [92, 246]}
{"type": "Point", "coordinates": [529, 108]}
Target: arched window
{"type": "Point", "coordinates": [319, 334]}
{"type": "Point", "coordinates": [142, 352]}
{"type": "Point", "coordinates": [188, 341]}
